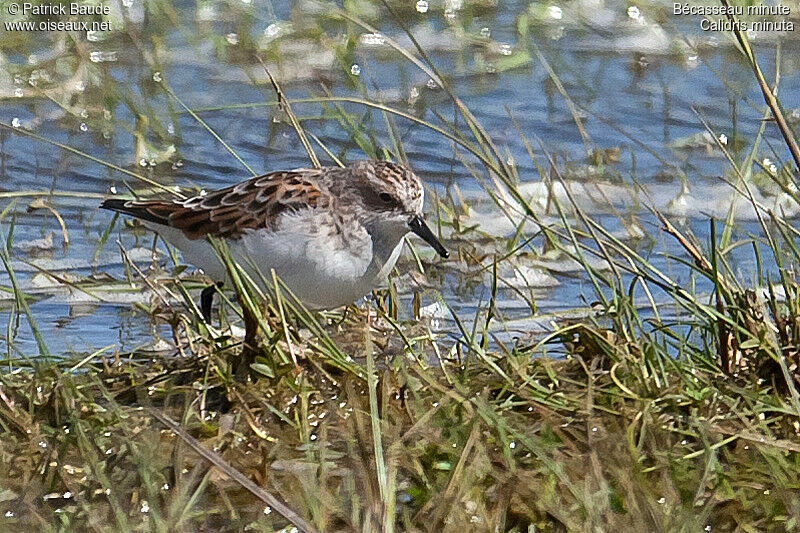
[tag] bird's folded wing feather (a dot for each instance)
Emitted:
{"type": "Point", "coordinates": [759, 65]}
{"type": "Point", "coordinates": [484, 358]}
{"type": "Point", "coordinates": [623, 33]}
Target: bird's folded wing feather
{"type": "Point", "coordinates": [227, 213]}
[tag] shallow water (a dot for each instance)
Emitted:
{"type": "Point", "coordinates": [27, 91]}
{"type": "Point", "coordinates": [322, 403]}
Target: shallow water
{"type": "Point", "coordinates": [616, 65]}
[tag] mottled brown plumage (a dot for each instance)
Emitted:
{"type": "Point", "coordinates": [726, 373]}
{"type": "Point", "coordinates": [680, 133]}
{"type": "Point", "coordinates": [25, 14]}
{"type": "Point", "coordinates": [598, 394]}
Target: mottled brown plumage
{"type": "Point", "coordinates": [257, 202]}
{"type": "Point", "coordinates": [227, 213]}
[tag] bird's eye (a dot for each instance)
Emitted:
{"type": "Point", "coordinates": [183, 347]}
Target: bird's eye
{"type": "Point", "coordinates": [386, 197]}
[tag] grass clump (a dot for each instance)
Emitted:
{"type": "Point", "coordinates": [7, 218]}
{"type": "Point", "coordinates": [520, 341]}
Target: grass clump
{"type": "Point", "coordinates": [605, 439]}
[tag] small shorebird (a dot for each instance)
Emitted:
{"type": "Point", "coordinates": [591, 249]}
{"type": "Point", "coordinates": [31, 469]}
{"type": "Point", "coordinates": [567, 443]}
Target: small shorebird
{"type": "Point", "coordinates": [331, 234]}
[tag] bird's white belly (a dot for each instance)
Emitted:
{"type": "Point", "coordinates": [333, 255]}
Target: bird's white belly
{"type": "Point", "coordinates": [319, 275]}
{"type": "Point", "coordinates": [321, 271]}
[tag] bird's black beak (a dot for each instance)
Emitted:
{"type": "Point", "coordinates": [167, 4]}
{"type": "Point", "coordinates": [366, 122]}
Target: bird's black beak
{"type": "Point", "coordinates": [418, 226]}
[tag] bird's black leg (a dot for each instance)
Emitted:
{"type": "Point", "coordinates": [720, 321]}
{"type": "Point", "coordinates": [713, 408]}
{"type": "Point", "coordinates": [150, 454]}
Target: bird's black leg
{"type": "Point", "coordinates": [250, 345]}
{"type": "Point", "coordinates": [207, 299]}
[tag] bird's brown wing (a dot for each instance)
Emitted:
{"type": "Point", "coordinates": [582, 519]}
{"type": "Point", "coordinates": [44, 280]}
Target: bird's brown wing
{"type": "Point", "coordinates": [228, 212]}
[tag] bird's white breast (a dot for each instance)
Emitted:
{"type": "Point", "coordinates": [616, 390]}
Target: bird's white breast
{"type": "Point", "coordinates": [324, 264]}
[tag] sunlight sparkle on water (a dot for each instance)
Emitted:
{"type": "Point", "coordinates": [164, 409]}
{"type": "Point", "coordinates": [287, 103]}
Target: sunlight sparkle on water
{"type": "Point", "coordinates": [372, 39]}
{"type": "Point", "coordinates": [102, 57]}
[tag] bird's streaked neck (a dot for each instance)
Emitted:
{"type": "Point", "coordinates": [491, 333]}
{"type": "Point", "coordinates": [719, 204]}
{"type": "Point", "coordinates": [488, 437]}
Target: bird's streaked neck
{"type": "Point", "coordinates": [387, 239]}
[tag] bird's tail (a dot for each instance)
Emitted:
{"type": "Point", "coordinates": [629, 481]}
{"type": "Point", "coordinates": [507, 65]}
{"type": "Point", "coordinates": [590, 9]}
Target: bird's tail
{"type": "Point", "coordinates": [149, 211]}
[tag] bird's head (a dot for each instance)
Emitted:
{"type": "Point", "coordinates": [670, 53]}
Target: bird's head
{"type": "Point", "coordinates": [392, 197]}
